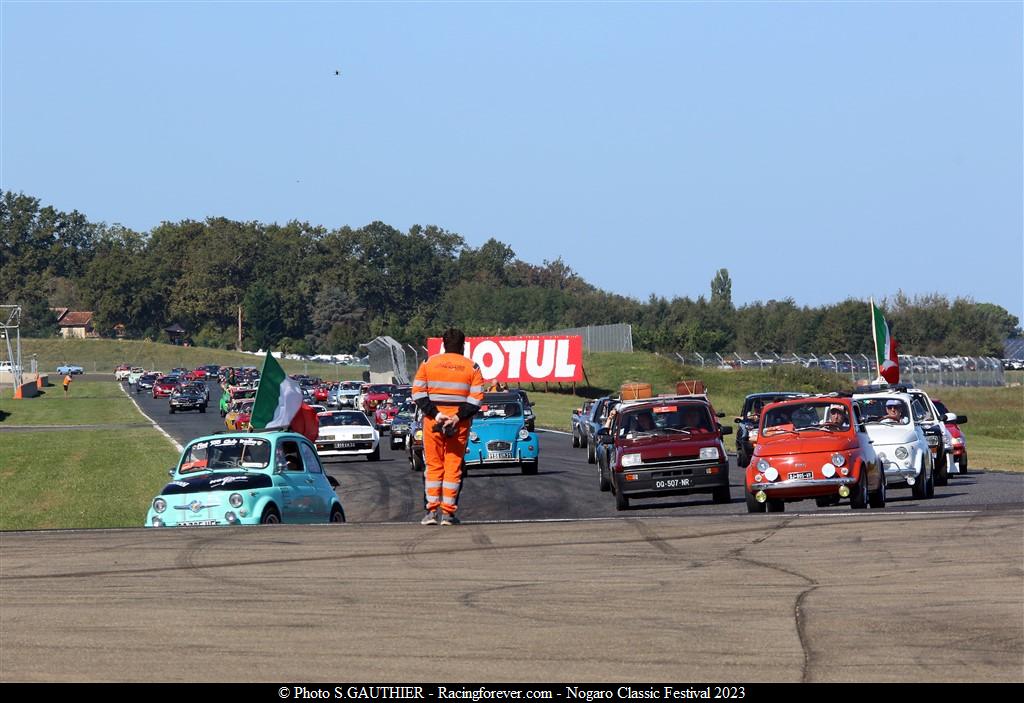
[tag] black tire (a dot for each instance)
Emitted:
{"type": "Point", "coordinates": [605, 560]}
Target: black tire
{"type": "Point", "coordinates": [337, 514]}
{"type": "Point", "coordinates": [920, 489]}
{"type": "Point", "coordinates": [621, 501]}
{"type": "Point", "coordinates": [942, 472]}
{"type": "Point", "coordinates": [963, 464]}
{"type": "Point", "coordinates": [583, 439]}
{"type": "Point", "coordinates": [752, 505]}
{"type": "Point", "coordinates": [859, 496]}
{"type": "Point", "coordinates": [823, 501]}
{"type": "Point", "coordinates": [270, 516]}
{"type": "Point", "coordinates": [529, 468]}
{"type": "Point", "coordinates": [223, 414]}
{"type": "Point", "coordinates": [375, 455]}
{"type": "Point", "coordinates": [418, 463]}
{"type": "Point", "coordinates": [171, 411]}
{"type": "Point", "coordinates": [742, 459]}
{"type": "Point", "coordinates": [602, 479]}
{"type": "Point", "coordinates": [877, 498]}
{"type": "Point", "coordinates": [575, 439]}
{"type": "Point", "coordinates": [202, 409]}
{"type": "Point", "coordinates": [720, 495]}
{"type": "Point", "coordinates": [591, 456]}
{"type": "Point", "coordinates": [776, 505]}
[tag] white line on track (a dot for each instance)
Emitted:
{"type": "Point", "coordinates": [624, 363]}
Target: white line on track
{"type": "Point", "coordinates": [159, 429]}
{"type": "Point", "coordinates": [554, 431]}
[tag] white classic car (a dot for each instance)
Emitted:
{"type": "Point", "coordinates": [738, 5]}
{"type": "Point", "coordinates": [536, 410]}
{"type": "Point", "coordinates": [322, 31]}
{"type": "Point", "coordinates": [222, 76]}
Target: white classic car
{"type": "Point", "coordinates": [347, 433]}
{"type": "Point", "coordinates": [890, 419]}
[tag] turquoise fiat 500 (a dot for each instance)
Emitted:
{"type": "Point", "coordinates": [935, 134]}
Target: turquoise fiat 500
{"type": "Point", "coordinates": [247, 479]}
{"type": "Point", "coordinates": [499, 435]}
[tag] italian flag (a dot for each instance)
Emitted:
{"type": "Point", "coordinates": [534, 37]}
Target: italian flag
{"type": "Point", "coordinates": [278, 398]}
{"type": "Point", "coordinates": [885, 347]}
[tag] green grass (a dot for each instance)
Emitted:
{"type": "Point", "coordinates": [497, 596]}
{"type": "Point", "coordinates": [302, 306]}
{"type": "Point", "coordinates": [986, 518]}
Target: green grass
{"type": "Point", "coordinates": [103, 355]}
{"type": "Point", "coordinates": [88, 403]}
{"type": "Point", "coordinates": [81, 478]}
{"type": "Point", "coordinates": [995, 424]}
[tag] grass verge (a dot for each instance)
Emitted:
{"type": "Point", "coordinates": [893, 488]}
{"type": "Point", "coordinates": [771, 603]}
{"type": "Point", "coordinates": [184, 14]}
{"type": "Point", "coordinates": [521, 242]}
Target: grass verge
{"type": "Point", "coordinates": [88, 403]}
{"type": "Point", "coordinates": [81, 478]}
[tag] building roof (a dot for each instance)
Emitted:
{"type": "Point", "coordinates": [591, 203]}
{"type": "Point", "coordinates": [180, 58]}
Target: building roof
{"type": "Point", "coordinates": [75, 319]}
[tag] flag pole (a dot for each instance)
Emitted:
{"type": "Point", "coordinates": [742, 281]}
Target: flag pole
{"type": "Point", "coordinates": [874, 337]}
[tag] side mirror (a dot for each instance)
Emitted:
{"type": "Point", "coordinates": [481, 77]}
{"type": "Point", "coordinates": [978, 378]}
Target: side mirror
{"type": "Point", "coordinates": [725, 429]}
{"type": "Point", "coordinates": [170, 472]}
{"type": "Point", "coordinates": [949, 417]}
{"type": "Point", "coordinates": [719, 414]}
{"type": "Point", "coordinates": [961, 419]}
{"type": "Point", "coordinates": [575, 411]}
{"type": "Point", "coordinates": [333, 481]}
{"type": "Point", "coordinates": [737, 420]}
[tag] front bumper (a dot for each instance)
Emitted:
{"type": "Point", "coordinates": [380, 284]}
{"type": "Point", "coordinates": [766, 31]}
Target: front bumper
{"type": "Point", "coordinates": [803, 488]}
{"type": "Point", "coordinates": [653, 482]}
{"type": "Point", "coordinates": [331, 447]}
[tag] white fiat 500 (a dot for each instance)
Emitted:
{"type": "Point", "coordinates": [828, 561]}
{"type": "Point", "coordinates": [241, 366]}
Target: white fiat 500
{"type": "Point", "coordinates": [347, 433]}
{"type": "Point", "coordinates": [899, 441]}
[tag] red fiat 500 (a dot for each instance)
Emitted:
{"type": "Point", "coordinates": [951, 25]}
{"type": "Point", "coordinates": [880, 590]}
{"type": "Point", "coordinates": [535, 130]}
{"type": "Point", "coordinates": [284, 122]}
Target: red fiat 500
{"type": "Point", "coordinates": [817, 448]}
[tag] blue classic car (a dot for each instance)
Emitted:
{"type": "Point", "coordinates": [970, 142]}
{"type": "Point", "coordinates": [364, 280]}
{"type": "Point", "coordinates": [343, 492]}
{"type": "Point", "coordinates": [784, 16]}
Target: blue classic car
{"type": "Point", "coordinates": [247, 479]}
{"type": "Point", "coordinates": [499, 435]}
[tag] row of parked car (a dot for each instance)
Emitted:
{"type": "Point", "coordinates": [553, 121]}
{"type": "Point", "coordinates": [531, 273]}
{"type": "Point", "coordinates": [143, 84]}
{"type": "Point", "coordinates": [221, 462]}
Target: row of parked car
{"type": "Point", "coordinates": [793, 446]}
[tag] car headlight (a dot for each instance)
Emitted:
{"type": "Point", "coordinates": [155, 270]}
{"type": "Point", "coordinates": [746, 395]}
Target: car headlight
{"type": "Point", "coordinates": [419, 434]}
{"type": "Point", "coordinates": [631, 459]}
{"type": "Point", "coordinates": [473, 437]}
{"type": "Point", "coordinates": [709, 453]}
{"type": "Point", "coordinates": [771, 473]}
{"type": "Point", "coordinates": [902, 453]}
{"type": "Point", "coordinates": [763, 465]}
{"type": "Point", "coordinates": [752, 435]}
{"type": "Point", "coordinates": [933, 441]}
{"type": "Point", "coordinates": [838, 459]}
{"type": "Point", "coordinates": [524, 434]}
{"type": "Point", "coordinates": [235, 499]}
{"type": "Point", "coordinates": [159, 505]}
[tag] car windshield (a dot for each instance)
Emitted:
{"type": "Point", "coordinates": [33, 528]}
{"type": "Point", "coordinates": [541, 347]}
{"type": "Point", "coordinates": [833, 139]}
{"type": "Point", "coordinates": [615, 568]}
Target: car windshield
{"type": "Point", "coordinates": [887, 411]}
{"type": "Point", "coordinates": [681, 418]}
{"type": "Point", "coordinates": [922, 411]}
{"type": "Point", "coordinates": [821, 415]}
{"type": "Point", "coordinates": [753, 406]}
{"type": "Point", "coordinates": [226, 453]}
{"type": "Point", "coordinates": [380, 388]}
{"type": "Point", "coordinates": [243, 406]}
{"type": "Point", "coordinates": [511, 409]}
{"type": "Point", "coordinates": [340, 419]}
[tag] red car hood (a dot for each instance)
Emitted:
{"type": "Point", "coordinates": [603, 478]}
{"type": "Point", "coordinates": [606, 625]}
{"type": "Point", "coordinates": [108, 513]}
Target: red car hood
{"type": "Point", "coordinates": [807, 442]}
{"type": "Point", "coordinates": [658, 446]}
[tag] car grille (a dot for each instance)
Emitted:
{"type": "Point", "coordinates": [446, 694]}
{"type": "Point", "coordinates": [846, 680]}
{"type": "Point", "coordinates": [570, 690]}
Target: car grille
{"type": "Point", "coordinates": [672, 461]}
{"type": "Point", "coordinates": [499, 446]}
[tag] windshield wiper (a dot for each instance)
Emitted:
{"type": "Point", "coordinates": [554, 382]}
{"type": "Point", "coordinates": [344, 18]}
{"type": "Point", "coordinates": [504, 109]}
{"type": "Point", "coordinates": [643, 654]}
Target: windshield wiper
{"type": "Point", "coordinates": [680, 430]}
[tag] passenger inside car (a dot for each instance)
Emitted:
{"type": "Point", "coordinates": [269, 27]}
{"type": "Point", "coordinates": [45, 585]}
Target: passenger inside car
{"type": "Point", "coordinates": [837, 417]}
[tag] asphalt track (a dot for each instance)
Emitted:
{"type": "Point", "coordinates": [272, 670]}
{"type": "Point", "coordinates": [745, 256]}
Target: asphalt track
{"type": "Point", "coordinates": [676, 590]}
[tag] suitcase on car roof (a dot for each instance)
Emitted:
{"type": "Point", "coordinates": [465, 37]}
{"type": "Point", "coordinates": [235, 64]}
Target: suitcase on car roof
{"type": "Point", "coordinates": [635, 391]}
{"type": "Point", "coordinates": [691, 387]}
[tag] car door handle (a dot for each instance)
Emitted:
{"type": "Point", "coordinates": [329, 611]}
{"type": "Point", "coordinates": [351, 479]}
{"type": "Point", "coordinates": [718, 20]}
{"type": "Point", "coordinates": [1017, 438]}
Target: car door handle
{"type": "Point", "coordinates": [310, 481]}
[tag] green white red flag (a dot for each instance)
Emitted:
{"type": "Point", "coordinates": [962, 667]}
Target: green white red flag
{"type": "Point", "coordinates": [278, 398]}
{"type": "Point", "coordinates": [885, 347]}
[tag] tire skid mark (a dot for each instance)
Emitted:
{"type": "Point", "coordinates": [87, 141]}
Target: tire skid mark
{"type": "Point", "coordinates": [799, 613]}
{"type": "Point", "coordinates": [482, 539]}
{"type": "Point", "coordinates": [653, 538]}
{"type": "Point", "coordinates": [748, 528]}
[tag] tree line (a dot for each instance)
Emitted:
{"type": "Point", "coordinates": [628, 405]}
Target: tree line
{"type": "Point", "coordinates": [303, 288]}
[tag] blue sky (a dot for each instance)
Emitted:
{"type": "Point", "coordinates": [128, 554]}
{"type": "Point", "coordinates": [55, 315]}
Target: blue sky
{"type": "Point", "coordinates": [648, 145]}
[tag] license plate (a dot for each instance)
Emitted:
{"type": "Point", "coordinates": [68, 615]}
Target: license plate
{"type": "Point", "coordinates": [672, 483]}
{"type": "Point", "coordinates": [344, 445]}
{"type": "Point", "coordinates": [799, 475]}
{"type": "Point", "coordinates": [198, 523]}
{"type": "Point", "coordinates": [500, 455]}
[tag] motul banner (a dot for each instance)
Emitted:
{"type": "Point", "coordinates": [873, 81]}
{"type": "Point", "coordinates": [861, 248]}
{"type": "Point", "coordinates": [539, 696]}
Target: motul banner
{"type": "Point", "coordinates": [521, 359]}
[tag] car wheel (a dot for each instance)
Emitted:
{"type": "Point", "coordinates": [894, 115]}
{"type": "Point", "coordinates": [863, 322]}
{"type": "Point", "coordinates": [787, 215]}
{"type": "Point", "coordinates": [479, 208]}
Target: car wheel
{"type": "Point", "coordinates": [776, 505]}
{"type": "Point", "coordinates": [859, 497]}
{"type": "Point", "coordinates": [375, 455]}
{"type": "Point", "coordinates": [942, 472]}
{"type": "Point", "coordinates": [920, 489]}
{"type": "Point", "coordinates": [270, 516]}
{"type": "Point", "coordinates": [202, 409]}
{"type": "Point", "coordinates": [417, 462]}
{"type": "Point", "coordinates": [337, 514]}
{"type": "Point", "coordinates": [591, 456]}
{"type": "Point", "coordinates": [529, 468]}
{"type": "Point", "coordinates": [720, 495]}
{"type": "Point", "coordinates": [963, 463]}
{"type": "Point", "coordinates": [172, 411]}
{"type": "Point", "coordinates": [753, 506]}
{"type": "Point", "coordinates": [575, 439]}
{"type": "Point", "coordinates": [621, 501]}
{"type": "Point", "coordinates": [877, 498]}
{"type": "Point", "coordinates": [602, 478]}
{"type": "Point", "coordinates": [583, 439]}
{"type": "Point", "coordinates": [742, 459]}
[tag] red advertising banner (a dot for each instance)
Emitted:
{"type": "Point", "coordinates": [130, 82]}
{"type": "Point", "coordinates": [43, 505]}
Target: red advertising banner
{"type": "Point", "coordinates": [521, 359]}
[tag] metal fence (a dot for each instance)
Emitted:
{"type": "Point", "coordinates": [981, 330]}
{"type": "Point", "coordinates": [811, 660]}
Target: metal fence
{"type": "Point", "coordinates": [603, 338]}
{"type": "Point", "coordinates": [387, 361]}
{"type": "Point", "coordinates": [916, 370]}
